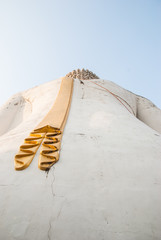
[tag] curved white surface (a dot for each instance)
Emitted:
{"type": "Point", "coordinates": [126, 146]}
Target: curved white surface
{"type": "Point", "coordinates": [107, 183]}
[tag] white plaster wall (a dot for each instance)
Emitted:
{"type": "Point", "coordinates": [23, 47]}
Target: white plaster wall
{"type": "Point", "coordinates": [107, 183]}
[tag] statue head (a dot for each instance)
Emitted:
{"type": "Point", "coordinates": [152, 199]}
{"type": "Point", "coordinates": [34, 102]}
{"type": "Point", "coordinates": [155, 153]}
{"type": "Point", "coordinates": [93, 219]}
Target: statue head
{"type": "Point", "coordinates": [82, 74]}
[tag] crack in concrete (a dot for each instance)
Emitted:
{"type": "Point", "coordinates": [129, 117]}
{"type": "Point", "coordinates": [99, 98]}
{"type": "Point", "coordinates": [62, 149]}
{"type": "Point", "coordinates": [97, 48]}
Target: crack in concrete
{"type": "Point", "coordinates": [59, 213]}
{"type": "Point", "coordinates": [53, 194]}
{"type": "Point", "coordinates": [83, 93]}
{"type": "Point", "coordinates": [55, 220]}
{"type": "Point", "coordinates": [49, 229]}
{"type": "Point", "coordinates": [52, 184]}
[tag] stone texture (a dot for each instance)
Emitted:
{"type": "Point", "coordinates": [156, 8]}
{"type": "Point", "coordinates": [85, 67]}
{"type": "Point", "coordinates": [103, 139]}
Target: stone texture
{"type": "Point", "coordinates": [107, 183]}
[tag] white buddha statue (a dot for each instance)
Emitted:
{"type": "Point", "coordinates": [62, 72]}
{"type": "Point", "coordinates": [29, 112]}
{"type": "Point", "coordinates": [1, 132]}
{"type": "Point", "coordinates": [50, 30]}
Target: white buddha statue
{"type": "Point", "coordinates": [107, 182]}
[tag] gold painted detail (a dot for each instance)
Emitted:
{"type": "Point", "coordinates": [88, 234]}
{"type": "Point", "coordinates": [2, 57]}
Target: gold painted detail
{"type": "Point", "coordinates": [48, 132]}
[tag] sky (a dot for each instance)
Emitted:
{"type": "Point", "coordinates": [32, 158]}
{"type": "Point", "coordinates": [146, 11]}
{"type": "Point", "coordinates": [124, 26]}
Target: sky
{"type": "Point", "coordinates": [119, 40]}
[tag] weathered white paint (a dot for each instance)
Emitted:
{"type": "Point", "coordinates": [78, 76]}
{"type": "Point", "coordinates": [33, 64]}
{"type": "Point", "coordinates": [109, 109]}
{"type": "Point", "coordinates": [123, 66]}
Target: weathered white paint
{"type": "Point", "coordinates": [107, 183]}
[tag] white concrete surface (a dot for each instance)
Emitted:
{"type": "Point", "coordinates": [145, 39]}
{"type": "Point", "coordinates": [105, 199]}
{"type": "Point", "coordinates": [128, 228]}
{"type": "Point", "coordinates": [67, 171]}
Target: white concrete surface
{"type": "Point", "coordinates": [107, 183]}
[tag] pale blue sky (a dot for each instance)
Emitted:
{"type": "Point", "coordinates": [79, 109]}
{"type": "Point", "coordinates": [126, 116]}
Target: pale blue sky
{"type": "Point", "coordinates": [119, 40]}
